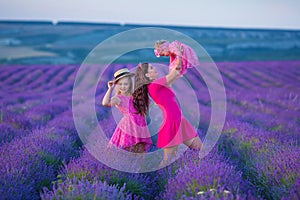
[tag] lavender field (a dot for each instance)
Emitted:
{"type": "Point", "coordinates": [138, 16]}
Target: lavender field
{"type": "Point", "coordinates": [256, 157]}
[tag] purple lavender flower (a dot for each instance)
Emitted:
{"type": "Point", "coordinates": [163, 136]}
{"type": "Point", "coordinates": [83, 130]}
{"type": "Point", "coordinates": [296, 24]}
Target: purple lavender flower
{"type": "Point", "coordinates": [294, 192]}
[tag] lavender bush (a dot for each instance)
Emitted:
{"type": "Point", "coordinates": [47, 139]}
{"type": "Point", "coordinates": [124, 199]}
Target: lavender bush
{"type": "Point", "coordinates": [29, 164]}
{"type": "Point", "coordinates": [270, 165]}
{"type": "Point", "coordinates": [200, 177]}
{"type": "Point", "coordinates": [84, 189]}
{"type": "Point", "coordinates": [8, 133]}
{"type": "Point", "coordinates": [16, 120]}
{"type": "Point", "coordinates": [86, 167]}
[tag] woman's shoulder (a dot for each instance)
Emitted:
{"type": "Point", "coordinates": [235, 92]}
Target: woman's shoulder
{"type": "Point", "coordinates": [162, 81]}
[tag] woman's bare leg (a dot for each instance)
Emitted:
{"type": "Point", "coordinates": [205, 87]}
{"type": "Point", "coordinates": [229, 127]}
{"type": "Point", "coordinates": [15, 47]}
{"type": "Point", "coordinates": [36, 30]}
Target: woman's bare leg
{"type": "Point", "coordinates": [170, 152]}
{"type": "Point", "coordinates": [194, 143]}
{"type": "Point", "coordinates": [169, 155]}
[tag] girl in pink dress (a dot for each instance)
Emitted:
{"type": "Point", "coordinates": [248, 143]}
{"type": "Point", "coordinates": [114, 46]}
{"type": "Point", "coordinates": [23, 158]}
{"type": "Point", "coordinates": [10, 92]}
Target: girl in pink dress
{"type": "Point", "coordinates": [132, 133]}
{"type": "Point", "coordinates": [177, 50]}
{"type": "Point", "coordinates": [175, 129]}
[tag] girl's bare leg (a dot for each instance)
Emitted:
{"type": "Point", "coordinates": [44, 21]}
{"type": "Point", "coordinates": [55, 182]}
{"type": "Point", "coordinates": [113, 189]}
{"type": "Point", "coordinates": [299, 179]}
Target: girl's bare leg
{"type": "Point", "coordinates": [140, 148]}
{"type": "Point", "coordinates": [130, 149]}
{"type": "Point", "coordinates": [137, 148]}
{"type": "Point", "coordinates": [139, 151]}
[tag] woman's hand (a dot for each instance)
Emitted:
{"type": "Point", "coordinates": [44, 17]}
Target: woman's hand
{"type": "Point", "coordinates": [178, 63]}
{"type": "Point", "coordinates": [172, 76]}
{"type": "Point", "coordinates": [179, 58]}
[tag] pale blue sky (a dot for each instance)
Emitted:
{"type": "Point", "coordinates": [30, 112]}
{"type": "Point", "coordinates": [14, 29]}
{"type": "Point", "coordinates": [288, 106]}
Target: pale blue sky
{"type": "Point", "coordinates": [282, 14]}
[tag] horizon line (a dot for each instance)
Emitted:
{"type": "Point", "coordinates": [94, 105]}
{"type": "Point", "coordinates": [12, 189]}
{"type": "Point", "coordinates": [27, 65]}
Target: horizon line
{"type": "Point", "coordinates": [93, 23]}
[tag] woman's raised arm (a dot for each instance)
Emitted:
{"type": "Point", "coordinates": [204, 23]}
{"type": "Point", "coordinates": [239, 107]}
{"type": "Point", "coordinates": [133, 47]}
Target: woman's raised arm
{"type": "Point", "coordinates": [175, 72]}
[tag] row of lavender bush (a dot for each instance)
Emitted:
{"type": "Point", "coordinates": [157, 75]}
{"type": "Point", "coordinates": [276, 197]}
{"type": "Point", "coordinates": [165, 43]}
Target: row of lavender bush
{"type": "Point", "coordinates": [37, 130]}
{"type": "Point", "coordinates": [31, 162]}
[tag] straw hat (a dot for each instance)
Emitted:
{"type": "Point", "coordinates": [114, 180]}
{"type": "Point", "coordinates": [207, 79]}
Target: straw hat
{"type": "Point", "coordinates": [122, 73]}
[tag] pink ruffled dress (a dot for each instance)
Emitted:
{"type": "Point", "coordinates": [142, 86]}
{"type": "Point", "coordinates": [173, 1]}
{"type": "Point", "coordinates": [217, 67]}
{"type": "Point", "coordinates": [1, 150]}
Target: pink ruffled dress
{"type": "Point", "coordinates": [132, 128]}
{"type": "Point", "coordinates": [176, 128]}
{"type": "Point", "coordinates": [188, 55]}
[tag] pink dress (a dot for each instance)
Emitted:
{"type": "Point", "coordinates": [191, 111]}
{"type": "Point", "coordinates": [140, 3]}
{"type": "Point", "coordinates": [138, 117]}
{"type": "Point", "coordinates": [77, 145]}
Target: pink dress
{"type": "Point", "coordinates": [132, 128]}
{"type": "Point", "coordinates": [176, 128]}
{"type": "Point", "coordinates": [188, 55]}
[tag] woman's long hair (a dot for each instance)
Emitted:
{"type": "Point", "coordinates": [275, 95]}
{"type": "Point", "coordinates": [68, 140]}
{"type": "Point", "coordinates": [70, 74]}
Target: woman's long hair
{"type": "Point", "coordinates": [140, 95]}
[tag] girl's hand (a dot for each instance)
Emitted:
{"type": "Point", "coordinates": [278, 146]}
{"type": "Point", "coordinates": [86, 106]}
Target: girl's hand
{"type": "Point", "coordinates": [115, 100]}
{"type": "Point", "coordinates": [110, 84]}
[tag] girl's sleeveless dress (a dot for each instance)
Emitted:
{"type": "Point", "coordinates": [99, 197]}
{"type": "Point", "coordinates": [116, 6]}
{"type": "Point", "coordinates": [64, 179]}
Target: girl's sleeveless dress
{"type": "Point", "coordinates": [176, 128]}
{"type": "Point", "coordinates": [132, 128]}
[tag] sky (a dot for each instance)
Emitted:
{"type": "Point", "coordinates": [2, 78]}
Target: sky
{"type": "Point", "coordinates": [270, 14]}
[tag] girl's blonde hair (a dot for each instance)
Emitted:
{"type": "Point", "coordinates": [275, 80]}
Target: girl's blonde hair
{"type": "Point", "coordinates": [158, 43]}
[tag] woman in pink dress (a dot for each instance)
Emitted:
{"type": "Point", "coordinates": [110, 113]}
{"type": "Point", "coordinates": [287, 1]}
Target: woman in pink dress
{"type": "Point", "coordinates": [177, 50]}
{"type": "Point", "coordinates": [175, 129]}
{"type": "Point", "coordinates": [132, 133]}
